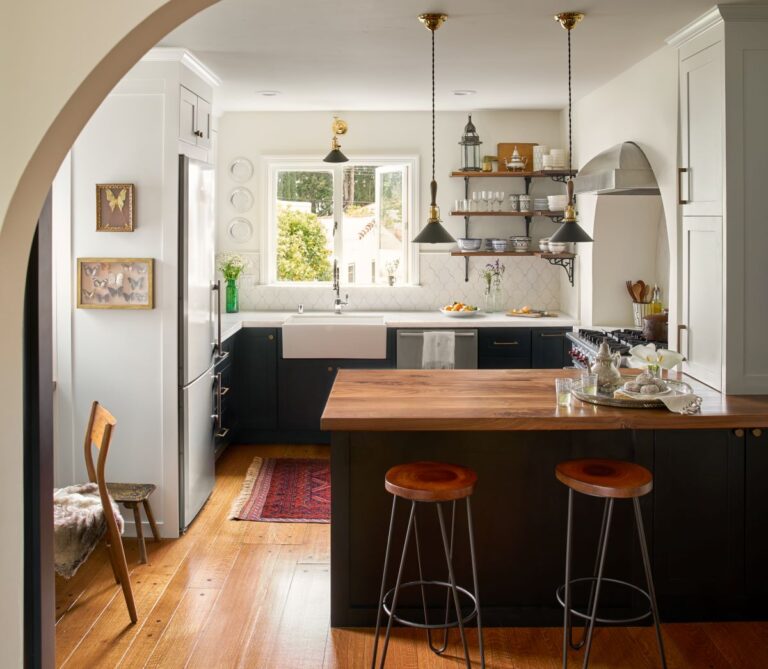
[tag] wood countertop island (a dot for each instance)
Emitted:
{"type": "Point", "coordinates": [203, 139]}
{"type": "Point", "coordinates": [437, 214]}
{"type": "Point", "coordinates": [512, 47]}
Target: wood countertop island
{"type": "Point", "coordinates": [706, 517]}
{"type": "Point", "coordinates": [499, 400]}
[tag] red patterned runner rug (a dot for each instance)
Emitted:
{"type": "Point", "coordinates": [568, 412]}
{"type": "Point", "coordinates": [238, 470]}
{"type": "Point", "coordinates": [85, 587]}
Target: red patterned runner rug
{"type": "Point", "coordinates": [285, 490]}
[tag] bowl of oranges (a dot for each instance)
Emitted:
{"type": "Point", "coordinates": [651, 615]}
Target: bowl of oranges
{"type": "Point", "coordinates": [459, 310]}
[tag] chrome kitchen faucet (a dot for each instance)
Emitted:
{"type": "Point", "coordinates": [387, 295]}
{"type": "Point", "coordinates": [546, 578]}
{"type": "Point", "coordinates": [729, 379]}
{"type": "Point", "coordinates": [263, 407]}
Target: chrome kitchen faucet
{"type": "Point", "coordinates": [338, 304]}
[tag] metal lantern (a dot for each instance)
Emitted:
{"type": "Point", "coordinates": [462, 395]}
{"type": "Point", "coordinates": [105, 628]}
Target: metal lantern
{"type": "Point", "coordinates": [470, 148]}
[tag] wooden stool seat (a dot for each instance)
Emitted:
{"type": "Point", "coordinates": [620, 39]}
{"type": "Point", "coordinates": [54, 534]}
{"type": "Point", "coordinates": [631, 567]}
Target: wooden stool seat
{"type": "Point", "coordinates": [430, 481]}
{"type": "Point", "coordinates": [605, 478]}
{"type": "Point", "coordinates": [131, 495]}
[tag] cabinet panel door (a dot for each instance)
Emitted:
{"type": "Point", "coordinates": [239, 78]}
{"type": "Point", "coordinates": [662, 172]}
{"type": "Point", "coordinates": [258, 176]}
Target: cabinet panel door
{"type": "Point", "coordinates": [756, 513]}
{"type": "Point", "coordinates": [304, 386]}
{"type": "Point", "coordinates": [550, 350]}
{"type": "Point", "coordinates": [254, 379]}
{"type": "Point", "coordinates": [187, 115]}
{"type": "Point", "coordinates": [698, 514]}
{"type": "Point", "coordinates": [702, 340]}
{"type": "Point", "coordinates": [702, 129]}
{"type": "Point", "coordinates": [203, 123]}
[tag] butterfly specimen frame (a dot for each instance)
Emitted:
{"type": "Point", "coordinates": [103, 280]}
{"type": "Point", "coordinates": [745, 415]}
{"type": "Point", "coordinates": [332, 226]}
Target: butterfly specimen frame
{"type": "Point", "coordinates": [114, 207]}
{"type": "Point", "coordinates": [115, 283]}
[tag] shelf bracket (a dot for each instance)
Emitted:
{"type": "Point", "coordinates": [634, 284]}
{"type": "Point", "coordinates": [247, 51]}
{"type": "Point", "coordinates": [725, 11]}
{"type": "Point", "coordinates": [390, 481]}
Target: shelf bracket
{"type": "Point", "coordinates": [466, 269]}
{"type": "Point", "coordinates": [566, 263]}
{"type": "Point", "coordinates": [562, 178]}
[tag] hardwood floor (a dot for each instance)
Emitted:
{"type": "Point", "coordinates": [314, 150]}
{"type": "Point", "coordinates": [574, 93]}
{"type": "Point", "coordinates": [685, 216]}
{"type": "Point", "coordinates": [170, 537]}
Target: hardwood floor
{"type": "Point", "coordinates": [256, 595]}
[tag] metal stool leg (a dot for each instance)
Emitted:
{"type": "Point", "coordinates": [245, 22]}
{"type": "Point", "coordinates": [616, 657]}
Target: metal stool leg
{"type": "Point", "coordinates": [580, 644]}
{"type": "Point", "coordinates": [383, 582]}
{"type": "Point", "coordinates": [567, 596]}
{"type": "Point", "coordinates": [474, 580]}
{"type": "Point", "coordinates": [649, 579]}
{"type": "Point", "coordinates": [591, 627]}
{"type": "Point", "coordinates": [397, 586]}
{"type": "Point", "coordinates": [452, 580]}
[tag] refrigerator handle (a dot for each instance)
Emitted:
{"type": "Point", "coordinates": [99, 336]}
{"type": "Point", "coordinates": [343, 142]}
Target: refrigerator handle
{"type": "Point", "coordinates": [220, 355]}
{"type": "Point", "coordinates": [220, 431]}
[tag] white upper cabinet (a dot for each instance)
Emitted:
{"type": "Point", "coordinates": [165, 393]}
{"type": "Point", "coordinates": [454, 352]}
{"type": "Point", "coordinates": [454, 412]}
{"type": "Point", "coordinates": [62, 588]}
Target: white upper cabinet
{"type": "Point", "coordinates": [701, 131]}
{"type": "Point", "coordinates": [194, 118]}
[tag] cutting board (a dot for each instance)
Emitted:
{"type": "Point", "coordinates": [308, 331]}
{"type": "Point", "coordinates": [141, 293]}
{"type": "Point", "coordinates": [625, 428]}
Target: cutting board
{"type": "Point", "coordinates": [504, 152]}
{"type": "Point", "coordinates": [533, 314]}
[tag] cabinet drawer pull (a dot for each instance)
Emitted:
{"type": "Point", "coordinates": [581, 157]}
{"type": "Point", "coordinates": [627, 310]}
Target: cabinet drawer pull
{"type": "Point", "coordinates": [680, 172]}
{"type": "Point", "coordinates": [738, 433]}
{"type": "Point", "coordinates": [757, 432]}
{"type": "Point", "coordinates": [223, 432]}
{"type": "Point", "coordinates": [330, 369]}
{"type": "Point", "coordinates": [559, 335]}
{"type": "Point", "coordinates": [223, 390]}
{"type": "Point", "coordinates": [506, 343]}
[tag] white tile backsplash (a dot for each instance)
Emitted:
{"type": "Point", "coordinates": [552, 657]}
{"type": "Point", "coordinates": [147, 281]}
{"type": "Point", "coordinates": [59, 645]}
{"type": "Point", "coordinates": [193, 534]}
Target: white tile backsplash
{"type": "Point", "coordinates": [527, 280]}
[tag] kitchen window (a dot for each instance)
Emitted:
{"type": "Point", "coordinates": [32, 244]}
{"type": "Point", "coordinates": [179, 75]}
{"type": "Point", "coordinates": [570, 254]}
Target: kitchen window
{"type": "Point", "coordinates": [358, 213]}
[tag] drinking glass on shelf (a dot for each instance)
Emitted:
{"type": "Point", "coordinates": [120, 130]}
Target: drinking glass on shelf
{"type": "Point", "coordinates": [484, 200]}
{"type": "Point", "coordinates": [563, 392]}
{"type": "Point", "coordinates": [514, 202]}
{"type": "Point", "coordinates": [499, 205]}
{"type": "Point", "coordinates": [474, 205]}
{"type": "Point", "coordinates": [457, 205]}
{"type": "Point", "coordinates": [589, 384]}
{"type": "Point", "coordinates": [465, 205]}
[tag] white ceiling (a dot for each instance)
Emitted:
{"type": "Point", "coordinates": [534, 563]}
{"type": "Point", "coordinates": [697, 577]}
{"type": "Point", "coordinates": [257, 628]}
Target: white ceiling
{"type": "Point", "coordinates": [374, 54]}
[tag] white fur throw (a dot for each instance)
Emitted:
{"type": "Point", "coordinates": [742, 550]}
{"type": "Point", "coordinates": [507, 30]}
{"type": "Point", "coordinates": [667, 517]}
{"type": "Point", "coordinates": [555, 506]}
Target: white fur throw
{"type": "Point", "coordinates": [78, 524]}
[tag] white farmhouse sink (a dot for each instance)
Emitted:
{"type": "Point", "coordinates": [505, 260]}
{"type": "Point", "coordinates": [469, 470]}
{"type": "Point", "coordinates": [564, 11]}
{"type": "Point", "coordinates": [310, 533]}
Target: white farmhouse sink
{"type": "Point", "coordinates": [334, 336]}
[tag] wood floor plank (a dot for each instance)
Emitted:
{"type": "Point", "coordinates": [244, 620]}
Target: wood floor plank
{"type": "Point", "coordinates": [68, 590]}
{"type": "Point", "coordinates": [273, 533]}
{"type": "Point", "coordinates": [317, 544]}
{"type": "Point", "coordinates": [299, 641]}
{"type": "Point", "coordinates": [180, 636]}
{"type": "Point", "coordinates": [226, 632]}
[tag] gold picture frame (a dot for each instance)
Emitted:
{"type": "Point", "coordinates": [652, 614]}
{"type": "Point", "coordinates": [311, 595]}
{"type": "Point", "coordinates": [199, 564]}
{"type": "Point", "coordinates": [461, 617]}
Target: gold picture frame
{"type": "Point", "coordinates": [114, 207]}
{"type": "Point", "coordinates": [115, 283]}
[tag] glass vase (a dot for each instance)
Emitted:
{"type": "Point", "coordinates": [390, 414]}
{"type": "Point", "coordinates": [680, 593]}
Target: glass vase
{"type": "Point", "coordinates": [233, 304]}
{"type": "Point", "coordinates": [493, 296]}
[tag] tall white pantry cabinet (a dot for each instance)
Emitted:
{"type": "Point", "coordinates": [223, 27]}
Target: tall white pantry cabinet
{"type": "Point", "coordinates": [723, 194]}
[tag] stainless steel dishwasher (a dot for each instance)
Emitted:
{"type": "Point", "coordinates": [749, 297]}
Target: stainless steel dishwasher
{"type": "Point", "coordinates": [411, 342]}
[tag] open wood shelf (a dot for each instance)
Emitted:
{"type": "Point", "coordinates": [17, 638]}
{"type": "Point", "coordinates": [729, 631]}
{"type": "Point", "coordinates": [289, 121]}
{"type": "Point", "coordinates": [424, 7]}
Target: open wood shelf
{"type": "Point", "coordinates": [547, 256]}
{"type": "Point", "coordinates": [543, 173]}
{"type": "Point", "coordinates": [537, 212]}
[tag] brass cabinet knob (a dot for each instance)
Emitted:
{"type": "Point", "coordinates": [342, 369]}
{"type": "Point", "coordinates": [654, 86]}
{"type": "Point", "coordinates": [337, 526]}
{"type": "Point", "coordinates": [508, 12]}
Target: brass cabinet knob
{"type": "Point", "coordinates": [739, 433]}
{"type": "Point", "coordinates": [757, 432]}
{"type": "Point", "coordinates": [330, 369]}
{"type": "Point", "coordinates": [270, 337]}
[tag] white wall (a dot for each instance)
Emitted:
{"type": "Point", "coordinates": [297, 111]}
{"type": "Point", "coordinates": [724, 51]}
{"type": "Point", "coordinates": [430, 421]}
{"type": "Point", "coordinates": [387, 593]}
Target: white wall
{"type": "Point", "coordinates": [125, 359]}
{"type": "Point", "coordinates": [257, 134]}
{"type": "Point", "coordinates": [641, 106]}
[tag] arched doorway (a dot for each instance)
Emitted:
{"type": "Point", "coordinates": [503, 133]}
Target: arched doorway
{"type": "Point", "coordinates": [56, 73]}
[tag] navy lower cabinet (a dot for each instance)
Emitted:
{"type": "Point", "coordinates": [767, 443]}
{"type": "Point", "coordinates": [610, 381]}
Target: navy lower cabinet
{"type": "Point", "coordinates": [549, 348]}
{"type": "Point", "coordinates": [698, 519]}
{"type": "Point", "coordinates": [254, 382]}
{"type": "Point", "coordinates": [504, 348]}
{"type": "Point", "coordinates": [756, 513]}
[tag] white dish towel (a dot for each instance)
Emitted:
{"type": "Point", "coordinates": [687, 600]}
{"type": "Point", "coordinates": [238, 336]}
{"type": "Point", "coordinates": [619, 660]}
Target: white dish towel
{"type": "Point", "coordinates": [439, 350]}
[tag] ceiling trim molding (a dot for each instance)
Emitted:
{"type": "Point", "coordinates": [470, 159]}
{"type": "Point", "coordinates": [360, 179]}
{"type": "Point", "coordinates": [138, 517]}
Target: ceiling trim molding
{"type": "Point", "coordinates": [186, 58]}
{"type": "Point", "coordinates": [696, 27]}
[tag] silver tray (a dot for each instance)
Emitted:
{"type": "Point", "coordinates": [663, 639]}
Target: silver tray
{"type": "Point", "coordinates": [607, 399]}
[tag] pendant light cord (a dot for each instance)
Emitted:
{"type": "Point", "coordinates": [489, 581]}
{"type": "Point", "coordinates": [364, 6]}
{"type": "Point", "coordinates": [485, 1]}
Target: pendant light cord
{"type": "Point", "coordinates": [433, 104]}
{"type": "Point", "coordinates": [570, 134]}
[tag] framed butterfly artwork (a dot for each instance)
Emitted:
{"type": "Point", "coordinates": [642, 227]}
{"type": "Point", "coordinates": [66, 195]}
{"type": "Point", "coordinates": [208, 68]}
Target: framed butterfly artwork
{"type": "Point", "coordinates": [115, 283]}
{"type": "Point", "coordinates": [114, 207]}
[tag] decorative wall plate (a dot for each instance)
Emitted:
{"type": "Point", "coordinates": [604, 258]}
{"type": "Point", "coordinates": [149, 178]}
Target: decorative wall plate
{"type": "Point", "coordinates": [241, 169]}
{"type": "Point", "coordinates": [241, 199]}
{"type": "Point", "coordinates": [240, 230]}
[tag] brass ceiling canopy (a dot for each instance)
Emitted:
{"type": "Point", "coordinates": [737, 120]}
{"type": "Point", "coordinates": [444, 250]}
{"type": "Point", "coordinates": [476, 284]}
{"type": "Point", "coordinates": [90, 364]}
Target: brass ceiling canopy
{"type": "Point", "coordinates": [432, 21]}
{"type": "Point", "coordinates": [339, 127]}
{"type": "Point", "coordinates": [569, 19]}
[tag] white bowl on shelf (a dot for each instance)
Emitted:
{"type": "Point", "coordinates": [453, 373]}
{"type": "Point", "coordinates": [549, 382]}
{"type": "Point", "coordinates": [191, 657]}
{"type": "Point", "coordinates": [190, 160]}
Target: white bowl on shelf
{"type": "Point", "coordinates": [557, 202]}
{"type": "Point", "coordinates": [544, 244]}
{"type": "Point", "coordinates": [520, 244]}
{"type": "Point", "coordinates": [469, 243]}
{"type": "Point", "coordinates": [558, 247]}
{"type": "Point", "coordinates": [499, 245]}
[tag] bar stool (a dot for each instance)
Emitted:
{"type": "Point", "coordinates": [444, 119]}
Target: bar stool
{"type": "Point", "coordinates": [612, 480]}
{"type": "Point", "coordinates": [429, 483]}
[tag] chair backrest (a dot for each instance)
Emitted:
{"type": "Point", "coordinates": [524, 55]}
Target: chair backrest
{"type": "Point", "coordinates": [99, 434]}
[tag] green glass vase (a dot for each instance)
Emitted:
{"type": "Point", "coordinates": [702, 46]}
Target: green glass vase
{"type": "Point", "coordinates": [233, 305]}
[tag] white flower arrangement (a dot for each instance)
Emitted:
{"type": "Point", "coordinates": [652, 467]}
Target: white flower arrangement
{"type": "Point", "coordinates": [647, 354]}
{"type": "Point", "coordinates": [232, 265]}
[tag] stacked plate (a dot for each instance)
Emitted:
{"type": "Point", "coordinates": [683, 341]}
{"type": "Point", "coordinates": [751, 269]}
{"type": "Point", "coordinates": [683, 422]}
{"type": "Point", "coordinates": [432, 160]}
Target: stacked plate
{"type": "Point", "coordinates": [557, 202]}
{"type": "Point", "coordinates": [540, 203]}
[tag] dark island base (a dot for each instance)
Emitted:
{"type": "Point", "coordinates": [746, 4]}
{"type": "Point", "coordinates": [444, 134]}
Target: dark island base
{"type": "Point", "coordinates": [706, 521]}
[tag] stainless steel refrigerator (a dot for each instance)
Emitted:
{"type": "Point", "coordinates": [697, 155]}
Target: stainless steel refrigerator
{"type": "Point", "coordinates": [199, 307]}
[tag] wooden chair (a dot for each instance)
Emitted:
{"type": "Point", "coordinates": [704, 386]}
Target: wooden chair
{"type": "Point", "coordinates": [99, 434]}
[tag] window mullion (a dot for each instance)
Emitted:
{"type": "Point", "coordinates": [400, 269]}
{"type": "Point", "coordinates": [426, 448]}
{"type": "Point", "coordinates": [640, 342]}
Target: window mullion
{"type": "Point", "coordinates": [338, 218]}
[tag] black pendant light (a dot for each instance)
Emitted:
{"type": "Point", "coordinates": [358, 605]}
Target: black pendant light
{"type": "Point", "coordinates": [335, 155]}
{"type": "Point", "coordinates": [433, 232]}
{"type": "Point", "coordinates": [570, 230]}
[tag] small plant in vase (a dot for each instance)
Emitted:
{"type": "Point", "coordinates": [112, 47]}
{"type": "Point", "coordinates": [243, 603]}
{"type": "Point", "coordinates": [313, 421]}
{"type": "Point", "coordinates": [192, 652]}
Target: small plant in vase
{"type": "Point", "coordinates": [232, 266]}
{"type": "Point", "coordinates": [391, 268]}
{"type": "Point", "coordinates": [491, 275]}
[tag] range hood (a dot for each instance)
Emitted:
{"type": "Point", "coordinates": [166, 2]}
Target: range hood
{"type": "Point", "coordinates": [621, 170]}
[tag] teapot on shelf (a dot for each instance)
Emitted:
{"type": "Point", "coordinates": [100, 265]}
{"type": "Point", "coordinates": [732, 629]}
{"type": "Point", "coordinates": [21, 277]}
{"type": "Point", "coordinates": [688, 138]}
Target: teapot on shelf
{"type": "Point", "coordinates": [516, 162]}
{"type": "Point", "coordinates": [606, 366]}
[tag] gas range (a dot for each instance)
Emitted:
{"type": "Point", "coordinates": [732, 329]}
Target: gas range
{"type": "Point", "coordinates": [585, 344]}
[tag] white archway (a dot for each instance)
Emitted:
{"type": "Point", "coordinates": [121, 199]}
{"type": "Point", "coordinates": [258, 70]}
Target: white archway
{"type": "Point", "coordinates": [58, 61]}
